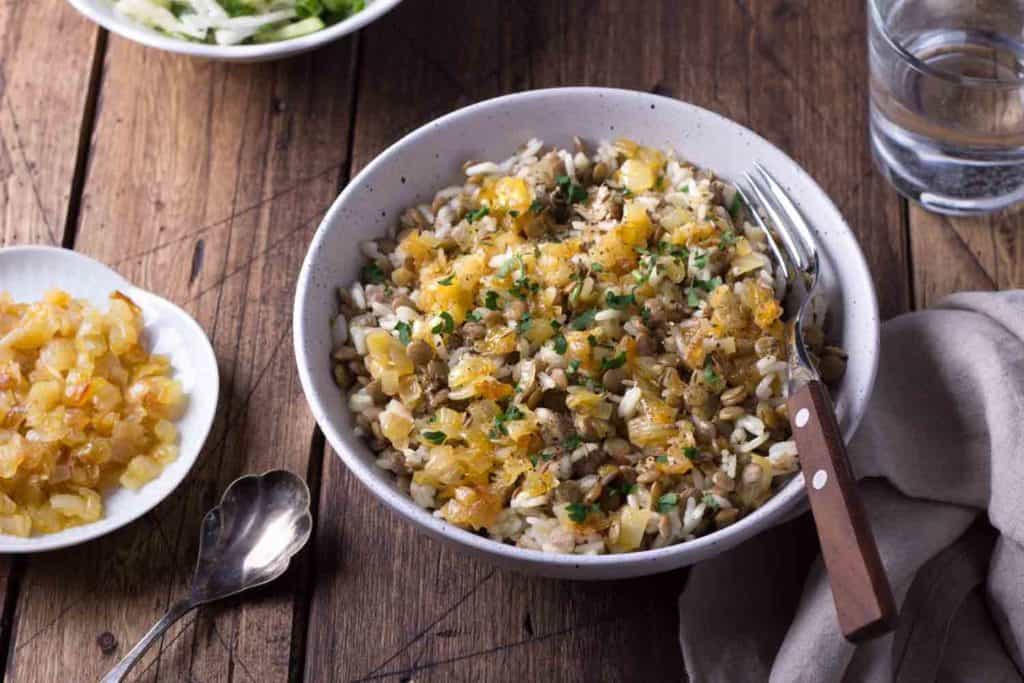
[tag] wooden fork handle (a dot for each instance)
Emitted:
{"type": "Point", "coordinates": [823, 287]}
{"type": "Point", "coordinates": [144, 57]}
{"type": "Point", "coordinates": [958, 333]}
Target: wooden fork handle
{"type": "Point", "coordinates": [860, 587]}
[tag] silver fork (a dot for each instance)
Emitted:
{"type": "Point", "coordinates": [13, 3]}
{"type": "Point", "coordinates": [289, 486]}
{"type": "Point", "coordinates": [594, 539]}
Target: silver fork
{"type": "Point", "coordinates": [860, 588]}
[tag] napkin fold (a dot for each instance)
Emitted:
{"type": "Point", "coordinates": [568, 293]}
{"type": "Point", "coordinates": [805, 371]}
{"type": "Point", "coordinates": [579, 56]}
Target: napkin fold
{"type": "Point", "coordinates": [940, 455]}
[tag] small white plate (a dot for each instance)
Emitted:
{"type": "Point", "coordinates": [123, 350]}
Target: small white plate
{"type": "Point", "coordinates": [27, 273]}
{"type": "Point", "coordinates": [102, 12]}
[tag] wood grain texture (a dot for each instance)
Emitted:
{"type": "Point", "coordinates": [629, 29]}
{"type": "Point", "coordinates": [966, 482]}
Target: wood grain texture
{"type": "Point", "coordinates": [956, 254]}
{"type": "Point", "coordinates": [207, 184]}
{"type": "Point", "coordinates": [391, 605]}
{"type": "Point", "coordinates": [44, 91]}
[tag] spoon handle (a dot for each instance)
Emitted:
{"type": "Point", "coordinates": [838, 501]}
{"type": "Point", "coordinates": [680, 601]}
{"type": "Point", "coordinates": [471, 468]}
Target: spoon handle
{"type": "Point", "coordinates": [175, 612]}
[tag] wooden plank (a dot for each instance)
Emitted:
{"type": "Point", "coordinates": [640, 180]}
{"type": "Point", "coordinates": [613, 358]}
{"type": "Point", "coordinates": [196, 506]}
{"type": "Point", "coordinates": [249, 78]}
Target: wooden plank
{"type": "Point", "coordinates": [207, 185]}
{"type": "Point", "coordinates": [41, 117]}
{"type": "Point", "coordinates": [956, 254]}
{"type": "Point", "coordinates": [391, 605]}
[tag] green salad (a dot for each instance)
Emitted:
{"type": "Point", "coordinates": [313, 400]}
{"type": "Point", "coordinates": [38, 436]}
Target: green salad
{"type": "Point", "coordinates": [233, 22]}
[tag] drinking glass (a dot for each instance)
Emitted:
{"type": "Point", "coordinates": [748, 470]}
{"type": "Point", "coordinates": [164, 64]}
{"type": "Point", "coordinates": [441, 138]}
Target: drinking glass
{"type": "Point", "coordinates": [947, 101]}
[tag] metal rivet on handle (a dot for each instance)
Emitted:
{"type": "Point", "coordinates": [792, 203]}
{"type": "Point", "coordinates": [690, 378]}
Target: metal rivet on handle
{"type": "Point", "coordinates": [819, 480]}
{"type": "Point", "coordinates": [802, 416]}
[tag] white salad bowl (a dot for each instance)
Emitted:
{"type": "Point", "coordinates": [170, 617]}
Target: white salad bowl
{"type": "Point", "coordinates": [411, 170]}
{"type": "Point", "coordinates": [27, 273]}
{"type": "Point", "coordinates": [102, 12]}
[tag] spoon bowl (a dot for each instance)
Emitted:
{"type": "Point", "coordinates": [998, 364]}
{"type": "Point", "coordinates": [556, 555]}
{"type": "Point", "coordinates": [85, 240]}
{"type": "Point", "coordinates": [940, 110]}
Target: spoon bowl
{"type": "Point", "coordinates": [246, 541]}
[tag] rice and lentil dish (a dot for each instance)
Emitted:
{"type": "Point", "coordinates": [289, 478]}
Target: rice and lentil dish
{"type": "Point", "coordinates": [573, 352]}
{"type": "Point", "coordinates": [83, 408]}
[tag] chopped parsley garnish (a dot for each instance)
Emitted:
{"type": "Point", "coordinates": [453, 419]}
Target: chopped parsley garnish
{"type": "Point", "coordinates": [645, 315]}
{"type": "Point", "coordinates": [710, 376]}
{"type": "Point", "coordinates": [700, 260]}
{"type": "Point", "coordinates": [583, 320]}
{"type": "Point", "coordinates": [522, 287]}
{"type": "Point", "coordinates": [491, 300]}
{"type": "Point", "coordinates": [625, 488]}
{"type": "Point", "coordinates": [436, 438]}
{"type": "Point", "coordinates": [447, 281]}
{"type": "Point", "coordinates": [404, 332]}
{"type": "Point", "coordinates": [473, 316]}
{"type": "Point", "coordinates": [692, 297]}
{"type": "Point", "coordinates": [691, 453]}
{"type": "Point", "coordinates": [627, 193]}
{"type": "Point", "coordinates": [668, 502]}
{"type": "Point", "coordinates": [735, 204]}
{"type": "Point", "coordinates": [536, 206]}
{"type": "Point", "coordinates": [513, 213]}
{"type": "Point", "coordinates": [573, 192]}
{"type": "Point", "coordinates": [474, 216]}
{"type": "Point", "coordinates": [596, 267]}
{"type": "Point", "coordinates": [373, 273]}
{"type": "Point", "coordinates": [446, 326]}
{"type": "Point", "coordinates": [728, 239]}
{"type": "Point", "coordinates": [708, 285]}
{"type": "Point", "coordinates": [525, 323]}
{"type": "Point", "coordinates": [680, 253]}
{"type": "Point", "coordinates": [614, 362]}
{"type": "Point", "coordinates": [555, 325]}
{"type": "Point", "coordinates": [619, 301]}
{"type": "Point", "coordinates": [710, 501]}
{"type": "Point", "coordinates": [499, 429]}
{"type": "Point", "coordinates": [578, 511]}
{"type": "Point", "coordinates": [561, 345]}
{"type": "Point", "coordinates": [659, 181]}
{"type": "Point", "coordinates": [573, 442]}
{"type": "Point", "coordinates": [685, 188]}
{"type": "Point", "coordinates": [574, 366]}
{"type": "Point", "coordinates": [663, 459]}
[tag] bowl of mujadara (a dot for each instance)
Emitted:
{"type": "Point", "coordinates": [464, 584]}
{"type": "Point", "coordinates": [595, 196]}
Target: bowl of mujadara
{"type": "Point", "coordinates": [547, 329]}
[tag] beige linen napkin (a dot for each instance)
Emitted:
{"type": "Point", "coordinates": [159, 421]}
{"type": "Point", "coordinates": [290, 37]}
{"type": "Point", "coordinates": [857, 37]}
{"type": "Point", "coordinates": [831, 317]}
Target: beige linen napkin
{"type": "Point", "coordinates": [942, 443]}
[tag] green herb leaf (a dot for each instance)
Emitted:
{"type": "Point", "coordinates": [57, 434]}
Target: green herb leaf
{"type": "Point", "coordinates": [513, 213]}
{"type": "Point", "coordinates": [685, 188]}
{"type": "Point", "coordinates": [561, 345]}
{"type": "Point", "coordinates": [577, 512]}
{"type": "Point", "coordinates": [619, 301]}
{"type": "Point", "coordinates": [499, 429]}
{"type": "Point", "coordinates": [473, 316]}
{"type": "Point", "coordinates": [308, 8]}
{"type": "Point", "coordinates": [708, 285]}
{"type": "Point", "coordinates": [573, 192]}
{"type": "Point", "coordinates": [447, 281]}
{"type": "Point", "coordinates": [710, 501]}
{"type": "Point", "coordinates": [691, 453]}
{"type": "Point", "coordinates": [555, 325]}
{"type": "Point", "coordinates": [668, 502]}
{"type": "Point", "coordinates": [522, 288]}
{"type": "Point", "coordinates": [536, 206]}
{"type": "Point", "coordinates": [710, 376]}
{"type": "Point", "coordinates": [436, 438]}
{"type": "Point", "coordinates": [700, 260]}
{"type": "Point", "coordinates": [735, 205]}
{"type": "Point", "coordinates": [663, 459]}
{"type": "Point", "coordinates": [625, 488]}
{"type": "Point", "coordinates": [373, 273]}
{"type": "Point", "coordinates": [474, 216]}
{"type": "Point", "coordinates": [596, 267]}
{"type": "Point", "coordinates": [491, 300]}
{"type": "Point", "coordinates": [574, 366]}
{"type": "Point", "coordinates": [446, 326]}
{"type": "Point", "coordinates": [573, 442]}
{"type": "Point", "coordinates": [404, 332]}
{"type": "Point", "coordinates": [728, 239]}
{"type": "Point", "coordinates": [614, 362]}
{"type": "Point", "coordinates": [627, 193]}
{"type": "Point", "coordinates": [525, 323]}
{"type": "Point", "coordinates": [583, 320]}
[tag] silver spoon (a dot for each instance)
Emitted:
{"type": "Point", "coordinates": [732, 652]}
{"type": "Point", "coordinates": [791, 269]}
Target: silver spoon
{"type": "Point", "coordinates": [246, 541]}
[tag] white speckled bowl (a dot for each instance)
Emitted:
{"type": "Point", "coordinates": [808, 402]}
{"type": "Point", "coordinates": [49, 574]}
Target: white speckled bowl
{"type": "Point", "coordinates": [411, 170]}
{"type": "Point", "coordinates": [102, 12]}
{"type": "Point", "coordinates": [27, 273]}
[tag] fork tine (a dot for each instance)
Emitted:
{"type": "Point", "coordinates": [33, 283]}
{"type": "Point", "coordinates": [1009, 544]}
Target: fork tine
{"type": "Point", "coordinates": [781, 257]}
{"type": "Point", "coordinates": [782, 226]}
{"type": "Point", "coordinates": [796, 218]}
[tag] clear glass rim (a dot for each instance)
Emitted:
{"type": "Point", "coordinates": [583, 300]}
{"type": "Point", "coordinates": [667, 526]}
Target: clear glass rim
{"type": "Point", "coordinates": [967, 81]}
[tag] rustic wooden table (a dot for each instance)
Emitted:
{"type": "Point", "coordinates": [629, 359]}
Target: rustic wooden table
{"type": "Point", "coordinates": [204, 183]}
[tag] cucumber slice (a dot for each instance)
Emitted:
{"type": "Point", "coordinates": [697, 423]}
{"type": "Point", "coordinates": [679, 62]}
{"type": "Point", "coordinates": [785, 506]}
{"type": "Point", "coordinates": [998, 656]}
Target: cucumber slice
{"type": "Point", "coordinates": [299, 28]}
